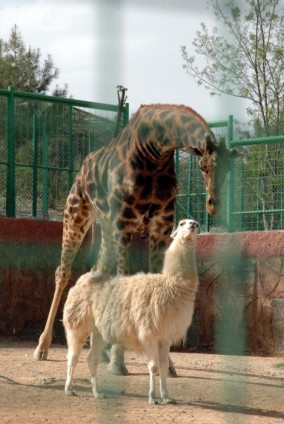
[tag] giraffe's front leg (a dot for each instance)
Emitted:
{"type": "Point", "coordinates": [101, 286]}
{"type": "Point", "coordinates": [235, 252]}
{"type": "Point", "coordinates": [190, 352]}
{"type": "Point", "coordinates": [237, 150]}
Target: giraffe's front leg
{"type": "Point", "coordinates": [75, 228]}
{"type": "Point", "coordinates": [107, 256]}
{"type": "Point", "coordinates": [123, 242]}
{"type": "Point", "coordinates": [62, 276]}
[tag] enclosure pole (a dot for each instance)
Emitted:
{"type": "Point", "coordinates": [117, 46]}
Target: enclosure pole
{"type": "Point", "coordinates": [125, 114]}
{"type": "Point", "coordinates": [230, 196]}
{"type": "Point", "coordinates": [45, 176]}
{"type": "Point", "coordinates": [10, 190]}
{"type": "Point", "coordinates": [35, 160]}
{"type": "Point", "coordinates": [70, 145]}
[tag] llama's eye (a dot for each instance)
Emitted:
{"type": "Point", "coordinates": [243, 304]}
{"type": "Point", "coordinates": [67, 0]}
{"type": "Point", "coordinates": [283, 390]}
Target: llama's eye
{"type": "Point", "coordinates": [182, 223]}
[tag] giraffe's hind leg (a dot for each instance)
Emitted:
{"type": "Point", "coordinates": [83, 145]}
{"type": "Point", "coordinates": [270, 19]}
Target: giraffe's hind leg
{"type": "Point", "coordinates": [79, 215]}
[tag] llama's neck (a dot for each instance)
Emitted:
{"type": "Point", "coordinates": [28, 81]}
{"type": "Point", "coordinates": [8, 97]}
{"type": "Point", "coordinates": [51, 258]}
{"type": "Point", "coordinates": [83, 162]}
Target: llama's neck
{"type": "Point", "coordinates": [180, 260]}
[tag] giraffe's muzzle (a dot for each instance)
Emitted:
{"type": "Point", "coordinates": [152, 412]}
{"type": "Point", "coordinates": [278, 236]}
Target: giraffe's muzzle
{"type": "Point", "coordinates": [213, 205]}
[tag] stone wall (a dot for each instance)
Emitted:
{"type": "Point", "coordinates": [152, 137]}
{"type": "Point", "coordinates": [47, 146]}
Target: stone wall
{"type": "Point", "coordinates": [239, 307]}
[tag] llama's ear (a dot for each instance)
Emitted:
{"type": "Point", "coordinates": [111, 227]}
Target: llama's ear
{"type": "Point", "coordinates": [174, 233]}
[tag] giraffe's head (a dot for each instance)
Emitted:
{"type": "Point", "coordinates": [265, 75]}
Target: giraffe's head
{"type": "Point", "coordinates": [215, 162]}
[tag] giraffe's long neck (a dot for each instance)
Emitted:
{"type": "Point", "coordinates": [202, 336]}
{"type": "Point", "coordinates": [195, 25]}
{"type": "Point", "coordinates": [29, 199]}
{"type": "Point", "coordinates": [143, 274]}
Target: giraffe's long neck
{"type": "Point", "coordinates": [163, 130]}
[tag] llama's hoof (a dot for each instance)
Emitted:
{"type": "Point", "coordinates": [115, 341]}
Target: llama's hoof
{"type": "Point", "coordinates": [153, 401]}
{"type": "Point", "coordinates": [117, 369]}
{"type": "Point", "coordinates": [101, 396]}
{"type": "Point", "coordinates": [70, 392]}
{"type": "Point", "coordinates": [40, 354]}
{"type": "Point", "coordinates": [172, 371]}
{"type": "Point", "coordinates": [169, 401]}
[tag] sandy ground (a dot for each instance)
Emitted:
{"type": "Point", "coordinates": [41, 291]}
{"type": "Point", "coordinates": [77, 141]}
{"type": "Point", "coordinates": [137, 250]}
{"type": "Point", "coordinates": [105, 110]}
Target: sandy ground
{"type": "Point", "coordinates": [210, 389]}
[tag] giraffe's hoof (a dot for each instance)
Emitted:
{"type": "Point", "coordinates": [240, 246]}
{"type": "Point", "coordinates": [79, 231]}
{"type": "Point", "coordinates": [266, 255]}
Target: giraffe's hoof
{"type": "Point", "coordinates": [40, 354]}
{"type": "Point", "coordinates": [172, 371]}
{"type": "Point", "coordinates": [117, 369]}
{"type": "Point", "coordinates": [104, 357]}
{"type": "Point", "coordinates": [169, 401]}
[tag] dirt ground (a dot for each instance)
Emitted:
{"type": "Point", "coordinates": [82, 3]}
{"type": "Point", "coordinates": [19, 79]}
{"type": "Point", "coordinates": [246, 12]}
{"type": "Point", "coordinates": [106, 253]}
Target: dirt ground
{"type": "Point", "coordinates": [209, 389]}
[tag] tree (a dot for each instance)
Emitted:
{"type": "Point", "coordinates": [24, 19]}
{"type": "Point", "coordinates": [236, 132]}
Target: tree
{"type": "Point", "coordinates": [248, 62]}
{"type": "Point", "coordinates": [25, 69]}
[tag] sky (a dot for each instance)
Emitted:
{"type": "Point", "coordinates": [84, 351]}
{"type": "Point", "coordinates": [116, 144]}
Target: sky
{"type": "Point", "coordinates": [98, 44]}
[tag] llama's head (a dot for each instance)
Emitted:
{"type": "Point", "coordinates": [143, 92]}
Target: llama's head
{"type": "Point", "coordinates": [186, 230]}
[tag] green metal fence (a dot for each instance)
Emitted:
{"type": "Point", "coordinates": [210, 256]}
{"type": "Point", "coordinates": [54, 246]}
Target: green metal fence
{"type": "Point", "coordinates": [43, 141]}
{"type": "Point", "coordinates": [253, 194]}
{"type": "Point", "coordinates": [257, 185]}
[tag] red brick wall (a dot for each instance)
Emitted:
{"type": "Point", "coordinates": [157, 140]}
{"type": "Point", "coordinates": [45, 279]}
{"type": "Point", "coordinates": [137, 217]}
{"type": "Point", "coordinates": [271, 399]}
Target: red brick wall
{"type": "Point", "coordinates": [239, 303]}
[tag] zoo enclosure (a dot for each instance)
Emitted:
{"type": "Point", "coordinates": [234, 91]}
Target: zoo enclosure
{"type": "Point", "coordinates": [44, 139]}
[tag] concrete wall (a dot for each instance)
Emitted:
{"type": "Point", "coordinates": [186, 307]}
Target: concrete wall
{"type": "Point", "coordinates": [239, 307]}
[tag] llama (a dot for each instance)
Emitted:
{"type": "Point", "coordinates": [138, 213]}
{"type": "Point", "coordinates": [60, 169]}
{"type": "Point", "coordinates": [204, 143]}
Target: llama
{"type": "Point", "coordinates": [143, 312]}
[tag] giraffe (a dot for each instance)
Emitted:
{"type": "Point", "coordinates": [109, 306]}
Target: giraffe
{"type": "Point", "coordinates": [130, 185]}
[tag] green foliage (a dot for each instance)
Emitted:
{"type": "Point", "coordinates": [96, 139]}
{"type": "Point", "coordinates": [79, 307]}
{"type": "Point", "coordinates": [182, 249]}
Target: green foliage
{"type": "Point", "coordinates": [248, 62]}
{"type": "Point", "coordinates": [24, 68]}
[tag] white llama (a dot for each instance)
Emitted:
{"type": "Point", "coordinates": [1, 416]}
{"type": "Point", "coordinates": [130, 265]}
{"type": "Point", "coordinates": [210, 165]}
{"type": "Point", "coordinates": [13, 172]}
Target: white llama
{"type": "Point", "coordinates": [143, 312]}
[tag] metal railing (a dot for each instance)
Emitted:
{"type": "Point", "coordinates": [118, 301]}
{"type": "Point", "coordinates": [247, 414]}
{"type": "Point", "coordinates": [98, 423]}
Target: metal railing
{"type": "Point", "coordinates": [43, 141]}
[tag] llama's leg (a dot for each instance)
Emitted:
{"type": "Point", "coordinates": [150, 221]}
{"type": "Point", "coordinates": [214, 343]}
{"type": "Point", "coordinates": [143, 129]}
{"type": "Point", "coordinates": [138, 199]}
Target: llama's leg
{"type": "Point", "coordinates": [153, 370]}
{"type": "Point", "coordinates": [164, 349]}
{"type": "Point", "coordinates": [75, 228]}
{"type": "Point", "coordinates": [75, 346]}
{"type": "Point", "coordinates": [97, 345]}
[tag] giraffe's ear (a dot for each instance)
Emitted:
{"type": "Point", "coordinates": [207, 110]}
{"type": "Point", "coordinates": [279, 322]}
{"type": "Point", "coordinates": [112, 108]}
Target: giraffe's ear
{"type": "Point", "coordinates": [234, 154]}
{"type": "Point", "coordinates": [210, 146]}
{"type": "Point", "coordinates": [196, 151]}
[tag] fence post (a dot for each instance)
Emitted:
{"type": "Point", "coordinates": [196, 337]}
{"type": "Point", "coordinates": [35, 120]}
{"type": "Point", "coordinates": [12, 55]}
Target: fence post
{"type": "Point", "coordinates": [35, 159]}
{"type": "Point", "coordinates": [70, 145]}
{"type": "Point", "coordinates": [126, 114]}
{"type": "Point", "coordinates": [45, 173]}
{"type": "Point", "coordinates": [11, 192]}
{"type": "Point", "coordinates": [230, 195]}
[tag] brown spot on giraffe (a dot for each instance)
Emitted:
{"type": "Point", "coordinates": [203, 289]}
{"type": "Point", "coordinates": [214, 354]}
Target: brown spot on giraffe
{"type": "Point", "coordinates": [130, 185]}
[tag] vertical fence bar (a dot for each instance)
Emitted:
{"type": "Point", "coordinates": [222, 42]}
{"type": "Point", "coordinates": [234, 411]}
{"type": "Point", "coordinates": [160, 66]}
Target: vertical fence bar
{"type": "Point", "coordinates": [189, 184]}
{"type": "Point", "coordinates": [230, 183]}
{"type": "Point", "coordinates": [11, 175]}
{"type": "Point", "coordinates": [35, 164]}
{"type": "Point", "coordinates": [45, 173]}
{"type": "Point", "coordinates": [91, 145]}
{"type": "Point", "coordinates": [125, 114]}
{"type": "Point", "coordinates": [70, 146]}
{"type": "Point", "coordinates": [177, 174]}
